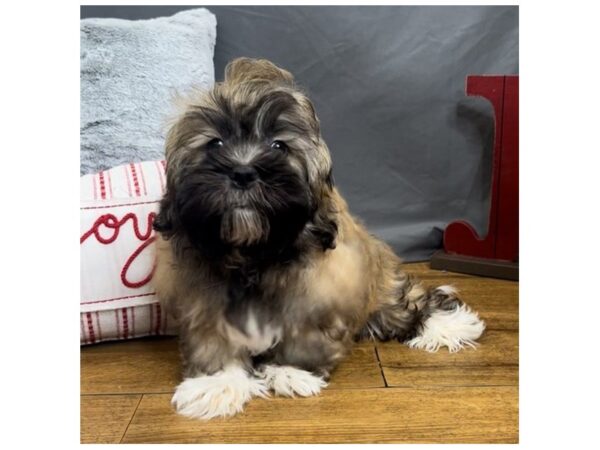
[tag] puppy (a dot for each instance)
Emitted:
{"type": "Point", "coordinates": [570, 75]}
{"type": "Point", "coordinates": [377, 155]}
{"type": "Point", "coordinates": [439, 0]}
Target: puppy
{"type": "Point", "coordinates": [268, 275]}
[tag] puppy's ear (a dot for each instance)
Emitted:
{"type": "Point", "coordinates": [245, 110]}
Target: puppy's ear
{"type": "Point", "coordinates": [324, 226]}
{"type": "Point", "coordinates": [329, 181]}
{"type": "Point", "coordinates": [163, 222]}
{"type": "Point", "coordinates": [325, 230]}
{"type": "Point", "coordinates": [247, 69]}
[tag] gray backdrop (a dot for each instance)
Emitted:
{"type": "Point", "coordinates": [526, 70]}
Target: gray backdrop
{"type": "Point", "coordinates": [411, 153]}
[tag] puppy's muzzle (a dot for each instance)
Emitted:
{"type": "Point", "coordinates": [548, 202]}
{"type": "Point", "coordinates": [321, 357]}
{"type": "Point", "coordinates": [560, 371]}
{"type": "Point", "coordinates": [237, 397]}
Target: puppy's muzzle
{"type": "Point", "coordinates": [243, 176]}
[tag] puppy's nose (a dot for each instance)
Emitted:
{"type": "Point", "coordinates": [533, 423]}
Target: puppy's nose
{"type": "Point", "coordinates": [243, 176]}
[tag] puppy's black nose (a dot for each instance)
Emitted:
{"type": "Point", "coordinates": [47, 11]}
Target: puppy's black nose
{"type": "Point", "coordinates": [243, 176]}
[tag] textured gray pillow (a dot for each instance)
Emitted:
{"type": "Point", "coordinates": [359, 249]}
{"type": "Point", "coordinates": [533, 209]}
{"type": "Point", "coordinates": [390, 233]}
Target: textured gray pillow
{"type": "Point", "coordinates": [130, 71]}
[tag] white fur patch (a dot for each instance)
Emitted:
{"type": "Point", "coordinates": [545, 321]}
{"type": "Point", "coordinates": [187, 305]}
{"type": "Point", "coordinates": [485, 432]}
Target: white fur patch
{"type": "Point", "coordinates": [288, 381]}
{"type": "Point", "coordinates": [447, 289]}
{"type": "Point", "coordinates": [220, 395]}
{"type": "Point", "coordinates": [454, 329]}
{"type": "Point", "coordinates": [256, 339]}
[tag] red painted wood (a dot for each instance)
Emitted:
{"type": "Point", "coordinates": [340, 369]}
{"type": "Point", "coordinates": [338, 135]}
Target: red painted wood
{"type": "Point", "coordinates": [501, 239]}
{"type": "Point", "coordinates": [460, 237]}
{"type": "Point", "coordinates": [507, 233]}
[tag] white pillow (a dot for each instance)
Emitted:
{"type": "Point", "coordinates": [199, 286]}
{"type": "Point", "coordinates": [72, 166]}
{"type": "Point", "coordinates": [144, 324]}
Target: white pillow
{"type": "Point", "coordinates": [117, 253]}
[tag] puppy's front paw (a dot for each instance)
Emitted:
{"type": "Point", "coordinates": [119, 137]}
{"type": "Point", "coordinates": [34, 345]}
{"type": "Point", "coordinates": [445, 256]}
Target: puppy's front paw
{"type": "Point", "coordinates": [220, 395]}
{"type": "Point", "coordinates": [288, 381]}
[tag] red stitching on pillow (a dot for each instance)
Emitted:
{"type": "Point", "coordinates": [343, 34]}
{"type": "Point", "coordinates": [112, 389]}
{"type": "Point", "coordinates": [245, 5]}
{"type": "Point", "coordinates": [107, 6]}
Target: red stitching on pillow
{"type": "Point", "coordinates": [119, 205]}
{"type": "Point", "coordinates": [90, 327]}
{"type": "Point", "coordinates": [111, 221]}
{"type": "Point", "coordinates": [136, 184]}
{"type": "Point", "coordinates": [90, 302]}
{"type": "Point", "coordinates": [125, 323]}
{"type": "Point", "coordinates": [85, 340]}
{"type": "Point", "coordinates": [102, 186]}
{"type": "Point", "coordinates": [136, 284]}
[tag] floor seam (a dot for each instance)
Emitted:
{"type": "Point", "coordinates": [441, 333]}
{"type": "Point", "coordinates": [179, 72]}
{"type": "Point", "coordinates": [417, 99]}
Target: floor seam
{"type": "Point", "coordinates": [131, 420]}
{"type": "Point", "coordinates": [380, 366]}
{"type": "Point", "coordinates": [126, 394]}
{"type": "Point", "coordinates": [452, 366]}
{"type": "Point", "coordinates": [438, 387]}
{"type": "Point", "coordinates": [116, 394]}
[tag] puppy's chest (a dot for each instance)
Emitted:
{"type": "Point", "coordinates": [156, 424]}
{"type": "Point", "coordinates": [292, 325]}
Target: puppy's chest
{"type": "Point", "coordinates": [253, 319]}
{"type": "Point", "coordinates": [255, 330]}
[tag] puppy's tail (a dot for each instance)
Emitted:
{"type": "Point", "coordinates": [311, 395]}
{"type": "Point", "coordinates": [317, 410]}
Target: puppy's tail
{"type": "Point", "coordinates": [426, 318]}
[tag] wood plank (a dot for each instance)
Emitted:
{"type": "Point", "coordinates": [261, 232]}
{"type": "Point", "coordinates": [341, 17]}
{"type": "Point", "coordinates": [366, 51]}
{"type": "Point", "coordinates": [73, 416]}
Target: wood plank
{"type": "Point", "coordinates": [496, 348]}
{"type": "Point", "coordinates": [495, 362]}
{"type": "Point", "coordinates": [360, 370]}
{"type": "Point", "coordinates": [104, 418]}
{"type": "Point", "coordinates": [497, 301]}
{"type": "Point", "coordinates": [452, 376]}
{"type": "Point", "coordinates": [136, 366]}
{"type": "Point", "coordinates": [385, 415]}
{"type": "Point", "coordinates": [151, 365]}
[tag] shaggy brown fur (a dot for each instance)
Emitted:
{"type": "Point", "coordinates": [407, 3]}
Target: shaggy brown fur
{"type": "Point", "coordinates": [308, 277]}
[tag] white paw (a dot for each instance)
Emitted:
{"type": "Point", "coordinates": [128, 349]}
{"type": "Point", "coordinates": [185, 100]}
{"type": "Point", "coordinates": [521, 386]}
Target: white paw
{"type": "Point", "coordinates": [454, 329]}
{"type": "Point", "coordinates": [220, 395]}
{"type": "Point", "coordinates": [288, 380]}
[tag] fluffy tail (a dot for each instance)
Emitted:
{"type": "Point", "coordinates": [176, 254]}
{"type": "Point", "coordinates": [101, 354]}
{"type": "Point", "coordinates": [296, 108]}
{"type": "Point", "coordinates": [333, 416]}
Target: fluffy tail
{"type": "Point", "coordinates": [426, 319]}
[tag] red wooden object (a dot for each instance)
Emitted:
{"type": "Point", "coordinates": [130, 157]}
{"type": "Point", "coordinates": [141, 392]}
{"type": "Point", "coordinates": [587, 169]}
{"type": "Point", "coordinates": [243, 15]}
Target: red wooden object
{"type": "Point", "coordinates": [502, 239]}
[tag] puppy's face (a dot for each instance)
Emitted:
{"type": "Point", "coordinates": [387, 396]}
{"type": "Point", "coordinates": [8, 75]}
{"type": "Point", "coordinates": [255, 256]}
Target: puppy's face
{"type": "Point", "coordinates": [245, 166]}
{"type": "Point", "coordinates": [242, 177]}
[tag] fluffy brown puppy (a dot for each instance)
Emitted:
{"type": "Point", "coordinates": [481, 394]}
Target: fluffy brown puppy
{"type": "Point", "coordinates": [269, 276]}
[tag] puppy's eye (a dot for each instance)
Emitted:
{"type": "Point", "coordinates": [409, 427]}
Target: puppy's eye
{"type": "Point", "coordinates": [214, 144]}
{"type": "Point", "coordinates": [279, 145]}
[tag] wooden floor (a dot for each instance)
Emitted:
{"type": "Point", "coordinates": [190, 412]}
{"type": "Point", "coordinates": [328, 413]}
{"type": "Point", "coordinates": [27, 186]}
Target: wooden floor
{"type": "Point", "coordinates": [384, 393]}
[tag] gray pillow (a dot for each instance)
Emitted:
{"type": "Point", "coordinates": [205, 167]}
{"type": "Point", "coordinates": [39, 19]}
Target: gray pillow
{"type": "Point", "coordinates": [130, 71]}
